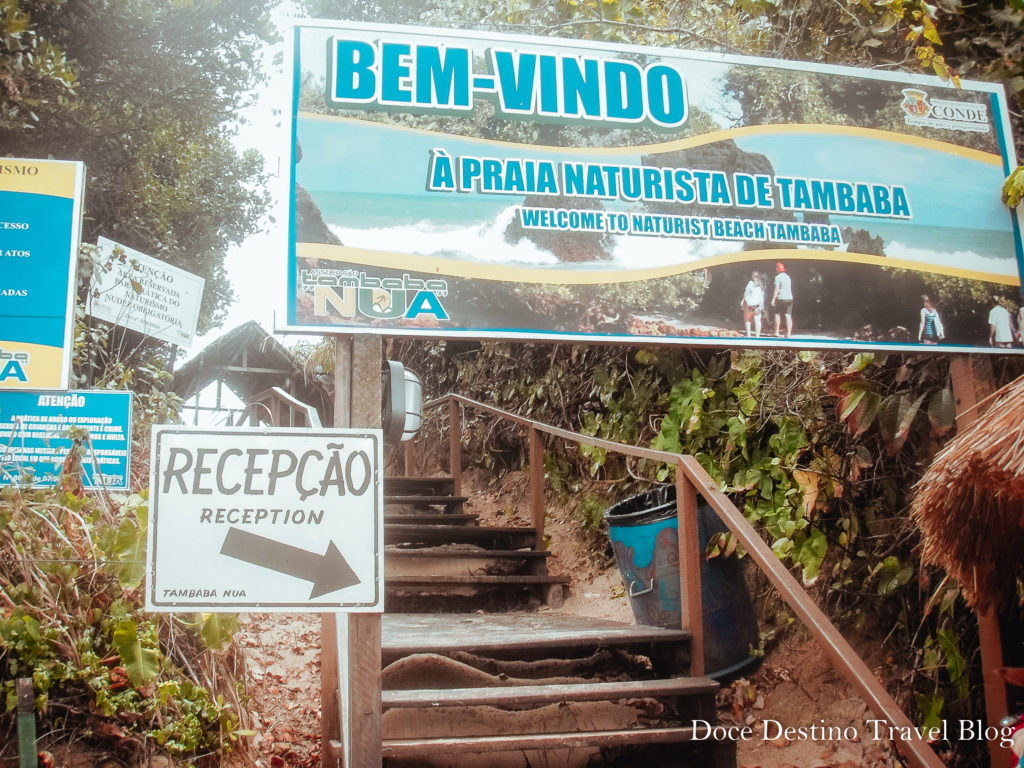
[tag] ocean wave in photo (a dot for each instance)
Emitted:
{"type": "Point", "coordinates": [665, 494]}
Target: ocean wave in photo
{"type": "Point", "coordinates": [958, 259]}
{"type": "Point", "coordinates": [484, 242]}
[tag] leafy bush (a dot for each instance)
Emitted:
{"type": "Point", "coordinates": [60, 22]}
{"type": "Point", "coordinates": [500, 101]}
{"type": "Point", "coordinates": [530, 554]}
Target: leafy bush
{"type": "Point", "coordinates": [71, 619]}
{"type": "Point", "coordinates": [820, 451]}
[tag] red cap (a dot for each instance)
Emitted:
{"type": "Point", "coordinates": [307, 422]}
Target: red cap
{"type": "Point", "coordinates": [780, 267]}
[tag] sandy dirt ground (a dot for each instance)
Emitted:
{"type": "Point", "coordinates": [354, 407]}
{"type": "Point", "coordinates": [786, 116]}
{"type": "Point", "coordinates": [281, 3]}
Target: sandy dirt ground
{"type": "Point", "coordinates": [794, 688]}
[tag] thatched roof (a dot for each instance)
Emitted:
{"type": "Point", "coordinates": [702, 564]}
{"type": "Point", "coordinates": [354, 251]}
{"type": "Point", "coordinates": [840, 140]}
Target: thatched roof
{"type": "Point", "coordinates": [250, 361]}
{"type": "Point", "coordinates": [970, 503]}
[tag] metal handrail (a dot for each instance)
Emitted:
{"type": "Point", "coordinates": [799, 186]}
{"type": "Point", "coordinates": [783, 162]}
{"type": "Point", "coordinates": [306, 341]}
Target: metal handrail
{"type": "Point", "coordinates": [692, 479]}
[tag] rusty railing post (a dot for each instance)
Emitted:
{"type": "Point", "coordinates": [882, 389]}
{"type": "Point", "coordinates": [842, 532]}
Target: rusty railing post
{"type": "Point", "coordinates": [455, 445]}
{"type": "Point", "coordinates": [537, 485]}
{"type": "Point", "coordinates": [689, 568]}
{"type": "Point", "coordinates": [409, 458]}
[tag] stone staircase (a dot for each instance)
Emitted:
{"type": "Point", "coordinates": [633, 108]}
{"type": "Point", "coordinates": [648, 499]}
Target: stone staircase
{"type": "Point", "coordinates": [518, 685]}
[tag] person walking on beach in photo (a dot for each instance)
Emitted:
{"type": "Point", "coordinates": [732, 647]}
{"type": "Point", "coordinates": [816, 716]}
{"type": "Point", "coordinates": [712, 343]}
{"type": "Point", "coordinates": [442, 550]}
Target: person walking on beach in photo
{"type": "Point", "coordinates": [931, 330]}
{"type": "Point", "coordinates": [1000, 330]}
{"type": "Point", "coordinates": [753, 304]}
{"type": "Point", "coordinates": [782, 299]}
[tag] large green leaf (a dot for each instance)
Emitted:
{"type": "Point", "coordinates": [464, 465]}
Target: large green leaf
{"type": "Point", "coordinates": [142, 663]}
{"type": "Point", "coordinates": [849, 404]}
{"type": "Point", "coordinates": [905, 423]}
{"type": "Point", "coordinates": [942, 411]}
{"type": "Point", "coordinates": [218, 629]}
{"type": "Point", "coordinates": [130, 552]}
{"type": "Point", "coordinates": [890, 414]}
{"type": "Point", "coordinates": [865, 413]}
{"type": "Point", "coordinates": [930, 708]}
{"type": "Point", "coordinates": [895, 417]}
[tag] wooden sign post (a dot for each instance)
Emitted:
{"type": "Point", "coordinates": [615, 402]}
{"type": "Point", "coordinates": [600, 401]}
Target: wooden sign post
{"type": "Point", "coordinates": [350, 674]}
{"type": "Point", "coordinates": [970, 387]}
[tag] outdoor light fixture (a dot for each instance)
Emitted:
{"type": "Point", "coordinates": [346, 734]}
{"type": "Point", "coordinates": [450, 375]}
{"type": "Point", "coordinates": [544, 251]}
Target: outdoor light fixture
{"type": "Point", "coordinates": [402, 406]}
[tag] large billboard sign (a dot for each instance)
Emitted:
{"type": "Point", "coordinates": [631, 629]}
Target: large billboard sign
{"type": "Point", "coordinates": [145, 294]}
{"type": "Point", "coordinates": [40, 227]}
{"type": "Point", "coordinates": [459, 184]}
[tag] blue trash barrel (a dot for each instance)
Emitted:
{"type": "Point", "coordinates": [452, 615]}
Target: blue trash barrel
{"type": "Point", "coordinates": [645, 540]}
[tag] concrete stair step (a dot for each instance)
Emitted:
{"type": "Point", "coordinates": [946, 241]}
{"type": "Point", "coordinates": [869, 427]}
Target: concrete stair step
{"type": "Point", "coordinates": [534, 695]}
{"type": "Point", "coordinates": [490, 537]}
{"type": "Point", "coordinates": [447, 561]}
{"type": "Point", "coordinates": [418, 500]}
{"type": "Point", "coordinates": [433, 486]}
{"type": "Point", "coordinates": [530, 635]}
{"type": "Point", "coordinates": [409, 748]}
{"type": "Point", "coordinates": [428, 518]}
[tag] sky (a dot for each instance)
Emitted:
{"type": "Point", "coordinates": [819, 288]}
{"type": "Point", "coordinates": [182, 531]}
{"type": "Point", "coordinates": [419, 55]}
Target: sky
{"type": "Point", "coordinates": [257, 267]}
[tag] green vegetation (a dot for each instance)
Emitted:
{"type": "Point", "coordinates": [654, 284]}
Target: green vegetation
{"type": "Point", "coordinates": [819, 450]}
{"type": "Point", "coordinates": [71, 619]}
{"type": "Point", "coordinates": [146, 94]}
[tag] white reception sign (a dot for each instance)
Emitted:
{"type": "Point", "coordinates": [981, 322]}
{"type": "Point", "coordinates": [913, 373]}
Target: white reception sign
{"type": "Point", "coordinates": [281, 520]}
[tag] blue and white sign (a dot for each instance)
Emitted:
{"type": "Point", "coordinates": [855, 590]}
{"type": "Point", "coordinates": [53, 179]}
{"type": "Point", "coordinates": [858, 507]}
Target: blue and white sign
{"type": "Point", "coordinates": [449, 183]}
{"type": "Point", "coordinates": [40, 228]}
{"type": "Point", "coordinates": [38, 430]}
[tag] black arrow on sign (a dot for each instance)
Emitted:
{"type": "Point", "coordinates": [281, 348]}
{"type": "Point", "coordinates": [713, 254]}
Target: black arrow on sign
{"type": "Point", "coordinates": [328, 572]}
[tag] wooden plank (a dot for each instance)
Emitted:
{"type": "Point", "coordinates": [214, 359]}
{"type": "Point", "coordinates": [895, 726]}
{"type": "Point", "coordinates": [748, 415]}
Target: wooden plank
{"type": "Point", "coordinates": [364, 655]}
{"type": "Point", "coordinates": [357, 404]}
{"type": "Point", "coordinates": [330, 690]}
{"type": "Point", "coordinates": [483, 580]}
{"type": "Point", "coordinates": [332, 726]}
{"type": "Point", "coordinates": [537, 503]}
{"type": "Point", "coordinates": [364, 681]}
{"type": "Point", "coordinates": [531, 695]}
{"type": "Point", "coordinates": [490, 555]}
{"type": "Point", "coordinates": [690, 557]}
{"type": "Point", "coordinates": [513, 632]}
{"type": "Point", "coordinates": [409, 457]}
{"type": "Point", "coordinates": [406, 748]}
{"type": "Point", "coordinates": [422, 499]}
{"type": "Point", "coordinates": [407, 484]}
{"type": "Point", "coordinates": [427, 518]}
{"type": "Point", "coordinates": [455, 446]}
{"type": "Point", "coordinates": [421, 562]}
{"type": "Point", "coordinates": [505, 538]}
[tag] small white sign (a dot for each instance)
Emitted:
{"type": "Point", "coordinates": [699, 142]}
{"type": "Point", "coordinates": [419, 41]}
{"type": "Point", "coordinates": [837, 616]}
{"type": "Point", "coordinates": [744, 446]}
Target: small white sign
{"type": "Point", "coordinates": [284, 520]}
{"type": "Point", "coordinates": [146, 295]}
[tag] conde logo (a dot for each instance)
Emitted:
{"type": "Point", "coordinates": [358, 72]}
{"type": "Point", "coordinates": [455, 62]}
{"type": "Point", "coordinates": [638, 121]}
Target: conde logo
{"type": "Point", "coordinates": [406, 77]}
{"type": "Point", "coordinates": [924, 110]}
{"type": "Point", "coordinates": [915, 102]}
